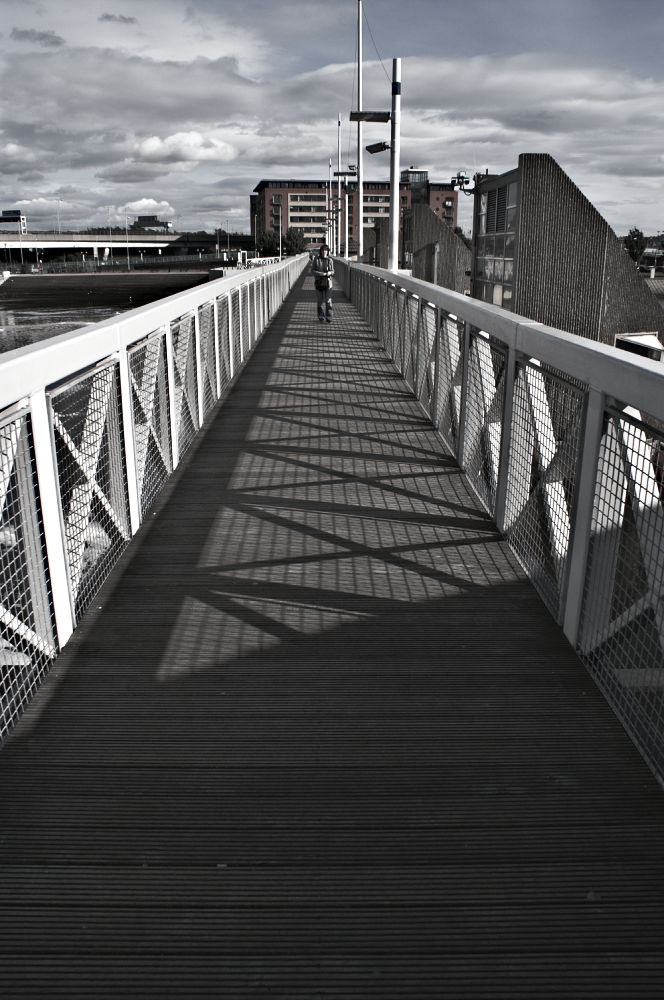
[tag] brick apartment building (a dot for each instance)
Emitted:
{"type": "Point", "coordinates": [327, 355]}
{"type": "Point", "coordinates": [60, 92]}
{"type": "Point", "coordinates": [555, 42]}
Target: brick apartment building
{"type": "Point", "coordinates": [307, 205]}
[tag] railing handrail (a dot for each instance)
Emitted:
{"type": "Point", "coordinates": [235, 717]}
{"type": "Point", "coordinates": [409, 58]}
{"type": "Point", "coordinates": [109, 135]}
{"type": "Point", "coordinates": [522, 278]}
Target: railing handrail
{"type": "Point", "coordinates": [26, 370]}
{"type": "Point", "coordinates": [562, 440]}
{"type": "Point", "coordinates": [93, 423]}
{"type": "Point", "coordinates": [636, 380]}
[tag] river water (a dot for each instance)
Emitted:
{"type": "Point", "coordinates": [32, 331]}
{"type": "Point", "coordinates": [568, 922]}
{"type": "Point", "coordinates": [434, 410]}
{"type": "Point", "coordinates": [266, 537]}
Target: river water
{"type": "Point", "coordinates": [22, 326]}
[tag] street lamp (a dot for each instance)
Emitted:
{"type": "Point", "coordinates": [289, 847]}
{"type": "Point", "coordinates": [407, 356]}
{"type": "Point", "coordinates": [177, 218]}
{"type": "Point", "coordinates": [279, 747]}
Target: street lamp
{"type": "Point", "coordinates": [395, 147]}
{"type": "Point", "coordinates": [351, 172]}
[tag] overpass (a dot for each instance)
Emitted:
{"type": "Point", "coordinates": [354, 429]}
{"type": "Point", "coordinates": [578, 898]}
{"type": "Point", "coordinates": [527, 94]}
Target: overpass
{"type": "Point", "coordinates": [332, 655]}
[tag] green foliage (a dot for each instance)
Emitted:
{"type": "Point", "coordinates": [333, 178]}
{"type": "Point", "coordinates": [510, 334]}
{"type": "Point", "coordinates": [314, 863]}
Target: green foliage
{"type": "Point", "coordinates": [294, 242]}
{"type": "Point", "coordinates": [635, 243]}
{"type": "Point", "coordinates": [268, 244]}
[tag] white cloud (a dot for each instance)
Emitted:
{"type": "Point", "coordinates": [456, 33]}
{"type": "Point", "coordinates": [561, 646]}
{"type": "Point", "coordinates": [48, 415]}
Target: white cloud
{"type": "Point", "coordinates": [192, 104]}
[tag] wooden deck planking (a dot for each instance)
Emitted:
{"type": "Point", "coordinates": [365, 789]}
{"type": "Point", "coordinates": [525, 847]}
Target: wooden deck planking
{"type": "Point", "coordinates": [320, 738]}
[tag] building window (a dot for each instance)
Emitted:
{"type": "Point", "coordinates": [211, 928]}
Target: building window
{"type": "Point", "coordinates": [495, 245]}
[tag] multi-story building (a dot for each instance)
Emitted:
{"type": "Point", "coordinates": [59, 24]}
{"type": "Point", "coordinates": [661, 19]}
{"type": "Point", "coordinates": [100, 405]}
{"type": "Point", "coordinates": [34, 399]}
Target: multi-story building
{"type": "Point", "coordinates": [542, 250]}
{"type": "Point", "coordinates": [312, 206]}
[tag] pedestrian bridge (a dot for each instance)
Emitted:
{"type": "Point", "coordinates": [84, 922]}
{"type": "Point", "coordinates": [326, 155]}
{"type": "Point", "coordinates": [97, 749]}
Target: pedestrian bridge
{"type": "Point", "coordinates": [332, 655]}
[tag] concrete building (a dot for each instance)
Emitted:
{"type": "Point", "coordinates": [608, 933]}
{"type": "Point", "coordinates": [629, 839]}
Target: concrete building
{"type": "Point", "coordinates": [542, 250]}
{"type": "Point", "coordinates": [309, 205]}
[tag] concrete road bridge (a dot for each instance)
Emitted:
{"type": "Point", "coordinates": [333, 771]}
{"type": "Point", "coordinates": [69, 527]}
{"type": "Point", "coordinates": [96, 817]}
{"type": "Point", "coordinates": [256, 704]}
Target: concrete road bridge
{"type": "Point", "coordinates": [332, 655]}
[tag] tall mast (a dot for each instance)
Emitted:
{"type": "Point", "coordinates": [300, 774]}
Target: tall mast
{"type": "Point", "coordinates": [360, 173]}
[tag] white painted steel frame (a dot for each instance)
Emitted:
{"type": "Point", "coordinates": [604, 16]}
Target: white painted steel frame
{"type": "Point", "coordinates": [613, 464]}
{"type": "Point", "coordinates": [31, 378]}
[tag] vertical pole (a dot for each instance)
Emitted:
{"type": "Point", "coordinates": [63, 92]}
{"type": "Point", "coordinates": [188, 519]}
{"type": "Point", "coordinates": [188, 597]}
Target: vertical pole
{"type": "Point", "coordinates": [461, 442]}
{"type": "Point", "coordinates": [231, 346]}
{"type": "Point", "coordinates": [338, 216]}
{"type": "Point", "coordinates": [330, 234]}
{"type": "Point", "coordinates": [360, 168]}
{"type": "Point", "coordinates": [49, 495]}
{"type": "Point", "coordinates": [200, 374]}
{"type": "Point", "coordinates": [395, 157]}
{"type": "Point", "coordinates": [583, 514]}
{"type": "Point", "coordinates": [436, 375]}
{"type": "Point", "coordinates": [500, 509]}
{"type": "Point", "coordinates": [172, 402]}
{"type": "Point", "coordinates": [133, 488]}
{"type": "Point", "coordinates": [217, 345]}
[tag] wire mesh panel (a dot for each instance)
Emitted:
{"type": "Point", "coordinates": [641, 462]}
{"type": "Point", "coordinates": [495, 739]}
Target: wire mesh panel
{"type": "Point", "coordinates": [545, 443]}
{"type": "Point", "coordinates": [208, 356]}
{"type": "Point", "coordinates": [450, 377]}
{"type": "Point", "coordinates": [235, 327]}
{"type": "Point", "coordinates": [253, 331]}
{"type": "Point", "coordinates": [410, 327]}
{"type": "Point", "coordinates": [392, 322]}
{"type": "Point", "coordinates": [150, 412]}
{"type": "Point", "coordinates": [484, 414]}
{"type": "Point", "coordinates": [185, 389]}
{"type": "Point", "coordinates": [246, 321]}
{"type": "Point", "coordinates": [224, 343]}
{"type": "Point", "coordinates": [87, 422]}
{"type": "Point", "coordinates": [400, 329]}
{"type": "Point", "coordinates": [27, 628]}
{"type": "Point", "coordinates": [426, 360]}
{"type": "Point", "coordinates": [622, 622]}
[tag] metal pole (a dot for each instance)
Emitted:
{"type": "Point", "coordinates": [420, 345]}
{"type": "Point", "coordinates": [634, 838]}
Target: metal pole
{"type": "Point", "coordinates": [330, 223]}
{"type": "Point", "coordinates": [338, 216]}
{"type": "Point", "coordinates": [360, 147]}
{"type": "Point", "coordinates": [345, 219]}
{"type": "Point", "coordinates": [395, 156]}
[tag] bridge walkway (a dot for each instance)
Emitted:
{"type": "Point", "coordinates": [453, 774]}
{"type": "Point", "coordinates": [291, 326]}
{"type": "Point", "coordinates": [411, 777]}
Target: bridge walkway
{"type": "Point", "coordinates": [320, 738]}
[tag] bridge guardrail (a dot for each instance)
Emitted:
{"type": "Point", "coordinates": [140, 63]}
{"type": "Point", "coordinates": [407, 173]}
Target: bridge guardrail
{"type": "Point", "coordinates": [92, 425]}
{"type": "Point", "coordinates": [562, 439]}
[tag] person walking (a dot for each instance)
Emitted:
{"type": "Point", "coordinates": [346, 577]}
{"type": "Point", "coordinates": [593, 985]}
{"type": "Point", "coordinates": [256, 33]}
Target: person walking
{"type": "Point", "coordinates": [322, 268]}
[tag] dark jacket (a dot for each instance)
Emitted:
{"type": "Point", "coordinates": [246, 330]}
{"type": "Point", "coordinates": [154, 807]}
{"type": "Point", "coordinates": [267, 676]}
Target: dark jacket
{"type": "Point", "coordinates": [322, 267]}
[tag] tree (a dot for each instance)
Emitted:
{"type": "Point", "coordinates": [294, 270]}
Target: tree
{"type": "Point", "coordinates": [268, 243]}
{"type": "Point", "coordinates": [294, 242]}
{"type": "Point", "coordinates": [635, 243]}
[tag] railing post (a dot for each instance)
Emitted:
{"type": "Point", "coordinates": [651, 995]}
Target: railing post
{"type": "Point", "coordinates": [129, 442]}
{"type": "Point", "coordinates": [583, 514]}
{"type": "Point", "coordinates": [231, 346]}
{"type": "Point", "coordinates": [199, 367]}
{"type": "Point", "coordinates": [436, 371]}
{"type": "Point", "coordinates": [172, 405]}
{"type": "Point", "coordinates": [505, 440]}
{"type": "Point", "coordinates": [217, 346]}
{"type": "Point", "coordinates": [240, 315]}
{"type": "Point", "coordinates": [49, 497]}
{"type": "Point", "coordinates": [461, 444]}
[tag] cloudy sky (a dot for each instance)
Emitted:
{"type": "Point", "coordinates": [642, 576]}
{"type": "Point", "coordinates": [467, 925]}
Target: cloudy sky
{"type": "Point", "coordinates": [180, 107]}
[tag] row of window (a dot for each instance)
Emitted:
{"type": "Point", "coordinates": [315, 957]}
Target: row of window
{"type": "Point", "coordinates": [499, 295]}
{"type": "Point", "coordinates": [497, 210]}
{"type": "Point", "coordinates": [492, 269]}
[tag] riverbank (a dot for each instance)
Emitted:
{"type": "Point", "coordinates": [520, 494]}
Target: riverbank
{"type": "Point", "coordinates": [126, 290]}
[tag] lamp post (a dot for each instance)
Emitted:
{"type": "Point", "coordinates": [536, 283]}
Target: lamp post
{"type": "Point", "coordinates": [360, 169]}
{"type": "Point", "coordinates": [395, 156]}
{"type": "Point", "coordinates": [345, 174]}
{"type": "Point", "coordinates": [395, 153]}
{"type": "Point", "coordinates": [337, 248]}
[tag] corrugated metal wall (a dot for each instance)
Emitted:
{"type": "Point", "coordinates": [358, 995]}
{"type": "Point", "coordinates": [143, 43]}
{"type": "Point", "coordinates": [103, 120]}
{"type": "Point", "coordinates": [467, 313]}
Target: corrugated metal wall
{"type": "Point", "coordinates": [572, 272]}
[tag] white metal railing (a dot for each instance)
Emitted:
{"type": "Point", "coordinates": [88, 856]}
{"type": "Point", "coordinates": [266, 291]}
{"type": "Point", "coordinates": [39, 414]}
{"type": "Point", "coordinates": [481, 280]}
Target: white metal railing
{"type": "Point", "coordinates": [562, 439]}
{"type": "Point", "coordinates": [92, 424]}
